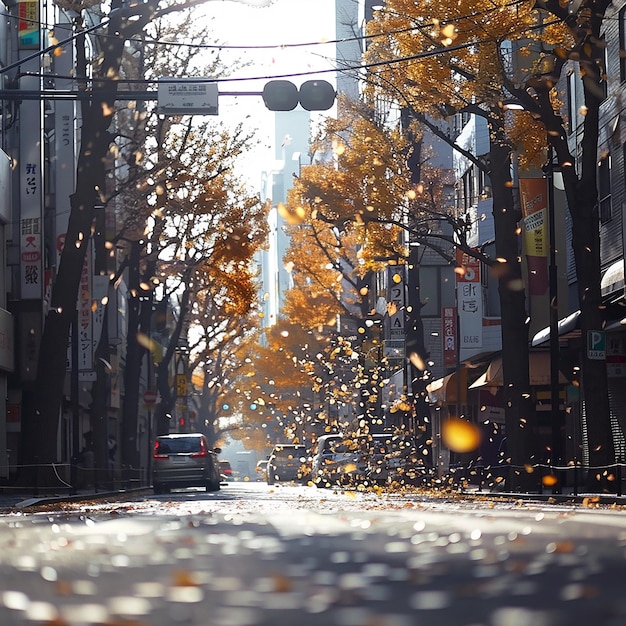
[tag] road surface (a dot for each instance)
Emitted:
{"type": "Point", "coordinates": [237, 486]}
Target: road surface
{"type": "Point", "coordinates": [296, 556]}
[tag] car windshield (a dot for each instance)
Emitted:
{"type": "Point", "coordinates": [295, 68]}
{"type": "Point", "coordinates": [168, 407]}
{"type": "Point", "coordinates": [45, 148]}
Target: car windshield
{"type": "Point", "coordinates": [288, 453]}
{"type": "Point", "coordinates": [178, 445]}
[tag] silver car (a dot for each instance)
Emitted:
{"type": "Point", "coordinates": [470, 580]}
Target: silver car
{"type": "Point", "coordinates": [287, 462]}
{"type": "Point", "coordinates": [184, 460]}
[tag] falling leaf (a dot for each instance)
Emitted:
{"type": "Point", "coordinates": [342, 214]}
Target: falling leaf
{"type": "Point", "coordinates": [549, 480]}
{"type": "Point", "coordinates": [460, 435]}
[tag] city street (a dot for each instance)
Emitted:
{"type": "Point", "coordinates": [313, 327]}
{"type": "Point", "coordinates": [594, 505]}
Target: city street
{"type": "Point", "coordinates": [296, 555]}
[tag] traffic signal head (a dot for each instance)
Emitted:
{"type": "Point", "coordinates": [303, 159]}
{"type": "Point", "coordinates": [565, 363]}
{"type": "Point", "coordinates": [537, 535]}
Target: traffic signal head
{"type": "Point", "coordinates": [280, 95]}
{"type": "Point", "coordinates": [317, 95]}
{"type": "Point", "coordinates": [313, 95]}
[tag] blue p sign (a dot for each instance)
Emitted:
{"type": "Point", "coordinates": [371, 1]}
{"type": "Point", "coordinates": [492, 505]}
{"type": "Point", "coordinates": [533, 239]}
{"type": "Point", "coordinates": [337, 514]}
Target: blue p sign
{"type": "Point", "coordinates": [596, 345]}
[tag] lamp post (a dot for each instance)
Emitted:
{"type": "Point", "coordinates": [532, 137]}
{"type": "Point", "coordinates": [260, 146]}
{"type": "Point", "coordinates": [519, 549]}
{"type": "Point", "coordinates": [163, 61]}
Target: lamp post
{"type": "Point", "coordinates": [556, 419]}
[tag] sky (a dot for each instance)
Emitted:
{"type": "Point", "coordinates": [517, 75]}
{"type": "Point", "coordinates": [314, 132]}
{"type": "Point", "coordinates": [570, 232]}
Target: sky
{"type": "Point", "coordinates": [284, 22]}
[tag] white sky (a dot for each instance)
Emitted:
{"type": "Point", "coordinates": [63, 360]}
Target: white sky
{"type": "Point", "coordinates": [285, 22]}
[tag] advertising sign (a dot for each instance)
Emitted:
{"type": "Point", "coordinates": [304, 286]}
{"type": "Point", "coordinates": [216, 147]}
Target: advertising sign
{"type": "Point", "coordinates": [469, 302]}
{"type": "Point", "coordinates": [396, 302]}
{"type": "Point", "coordinates": [28, 24]}
{"type": "Point", "coordinates": [30, 194]}
{"type": "Point", "coordinates": [534, 204]}
{"type": "Point", "coordinates": [449, 333]}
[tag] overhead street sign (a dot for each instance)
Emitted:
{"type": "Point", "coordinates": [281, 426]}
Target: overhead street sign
{"type": "Point", "coordinates": [187, 96]}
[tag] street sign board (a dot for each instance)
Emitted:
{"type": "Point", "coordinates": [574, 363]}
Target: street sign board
{"type": "Point", "coordinates": [596, 345]}
{"type": "Point", "coordinates": [150, 396]}
{"type": "Point", "coordinates": [187, 96]}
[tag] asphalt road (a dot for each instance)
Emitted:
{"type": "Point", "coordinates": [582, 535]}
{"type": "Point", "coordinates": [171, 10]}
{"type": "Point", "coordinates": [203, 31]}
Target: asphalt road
{"type": "Point", "coordinates": [298, 556]}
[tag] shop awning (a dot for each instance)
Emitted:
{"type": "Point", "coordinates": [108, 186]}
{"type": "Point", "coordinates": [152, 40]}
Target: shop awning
{"type": "Point", "coordinates": [539, 372]}
{"type": "Point", "coordinates": [443, 389]}
{"type": "Point", "coordinates": [613, 280]}
{"type": "Point", "coordinates": [567, 325]}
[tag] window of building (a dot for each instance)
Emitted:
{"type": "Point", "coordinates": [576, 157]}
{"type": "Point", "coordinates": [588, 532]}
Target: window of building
{"type": "Point", "coordinates": [604, 189]}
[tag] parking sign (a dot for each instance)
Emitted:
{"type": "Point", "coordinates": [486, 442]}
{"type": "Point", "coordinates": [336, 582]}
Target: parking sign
{"type": "Point", "coordinates": [596, 345]}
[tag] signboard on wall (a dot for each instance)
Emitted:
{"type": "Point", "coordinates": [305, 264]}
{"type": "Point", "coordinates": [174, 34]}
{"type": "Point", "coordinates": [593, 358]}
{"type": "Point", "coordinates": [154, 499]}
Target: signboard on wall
{"type": "Point", "coordinates": [469, 302]}
{"type": "Point", "coordinates": [31, 197]}
{"type": "Point", "coordinates": [449, 334]}
{"type": "Point", "coordinates": [534, 204]}
{"type": "Point", "coordinates": [396, 302]}
{"type": "Point", "coordinates": [28, 24]}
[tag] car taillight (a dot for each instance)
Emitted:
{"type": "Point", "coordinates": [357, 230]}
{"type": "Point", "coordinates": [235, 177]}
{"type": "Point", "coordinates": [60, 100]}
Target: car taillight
{"type": "Point", "coordinates": [158, 455]}
{"type": "Point", "coordinates": [228, 472]}
{"type": "Point", "coordinates": [203, 451]}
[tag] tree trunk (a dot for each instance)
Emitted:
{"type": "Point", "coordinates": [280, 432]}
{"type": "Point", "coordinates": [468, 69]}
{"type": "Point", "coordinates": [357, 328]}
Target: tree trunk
{"type": "Point", "coordinates": [132, 369]}
{"type": "Point", "coordinates": [519, 411]}
{"type": "Point", "coordinates": [166, 408]}
{"type": "Point", "coordinates": [41, 407]}
{"type": "Point", "coordinates": [582, 200]}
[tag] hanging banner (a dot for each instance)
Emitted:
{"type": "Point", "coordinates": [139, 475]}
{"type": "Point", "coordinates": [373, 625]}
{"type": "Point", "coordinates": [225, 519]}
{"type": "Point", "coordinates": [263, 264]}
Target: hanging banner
{"type": "Point", "coordinates": [534, 204]}
{"type": "Point", "coordinates": [64, 138]}
{"type": "Point", "coordinates": [396, 304]}
{"type": "Point", "coordinates": [469, 302]}
{"type": "Point", "coordinates": [31, 196]}
{"type": "Point", "coordinates": [449, 333]}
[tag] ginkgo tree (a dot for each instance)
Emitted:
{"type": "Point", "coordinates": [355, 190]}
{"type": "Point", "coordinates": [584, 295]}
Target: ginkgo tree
{"type": "Point", "coordinates": [349, 216]}
{"type": "Point", "coordinates": [476, 57]}
{"type": "Point", "coordinates": [99, 55]}
{"type": "Point", "coordinates": [435, 61]}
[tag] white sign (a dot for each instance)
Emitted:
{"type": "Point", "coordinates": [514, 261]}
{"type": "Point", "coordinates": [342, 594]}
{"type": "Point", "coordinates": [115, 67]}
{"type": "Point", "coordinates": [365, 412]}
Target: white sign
{"type": "Point", "coordinates": [64, 139]}
{"type": "Point", "coordinates": [31, 195]}
{"type": "Point", "coordinates": [470, 308]}
{"type": "Point", "coordinates": [187, 96]}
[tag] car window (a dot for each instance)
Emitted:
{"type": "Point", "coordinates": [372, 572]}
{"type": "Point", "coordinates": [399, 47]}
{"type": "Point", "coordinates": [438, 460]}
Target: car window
{"type": "Point", "coordinates": [287, 453]}
{"type": "Point", "coordinates": [180, 445]}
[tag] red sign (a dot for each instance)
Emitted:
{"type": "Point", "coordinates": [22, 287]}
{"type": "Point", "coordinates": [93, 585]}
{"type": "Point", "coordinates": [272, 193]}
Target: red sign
{"type": "Point", "coordinates": [448, 323]}
{"type": "Point", "coordinates": [150, 396]}
{"type": "Point", "coordinates": [470, 268]}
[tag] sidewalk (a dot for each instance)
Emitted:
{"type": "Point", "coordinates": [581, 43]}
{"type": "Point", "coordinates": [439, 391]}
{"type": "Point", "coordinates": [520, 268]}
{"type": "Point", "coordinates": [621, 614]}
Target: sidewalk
{"type": "Point", "coordinates": [24, 499]}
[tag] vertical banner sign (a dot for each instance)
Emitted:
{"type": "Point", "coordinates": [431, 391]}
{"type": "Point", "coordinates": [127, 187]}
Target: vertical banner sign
{"type": "Point", "coordinates": [28, 26]}
{"type": "Point", "coordinates": [534, 204]}
{"type": "Point", "coordinates": [64, 138]}
{"type": "Point", "coordinates": [31, 196]}
{"type": "Point", "coordinates": [469, 298]}
{"type": "Point", "coordinates": [396, 304]}
{"type": "Point", "coordinates": [85, 318]}
{"type": "Point", "coordinates": [449, 332]}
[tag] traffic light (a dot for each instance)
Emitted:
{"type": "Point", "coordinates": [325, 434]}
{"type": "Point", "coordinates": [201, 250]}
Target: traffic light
{"type": "Point", "coordinates": [280, 95]}
{"type": "Point", "coordinates": [313, 95]}
{"type": "Point", "coordinates": [317, 95]}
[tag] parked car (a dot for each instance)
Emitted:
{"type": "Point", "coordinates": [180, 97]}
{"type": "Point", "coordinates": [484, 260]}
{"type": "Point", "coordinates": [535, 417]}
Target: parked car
{"type": "Point", "coordinates": [328, 459]}
{"type": "Point", "coordinates": [287, 461]}
{"type": "Point", "coordinates": [226, 471]}
{"type": "Point", "coordinates": [375, 459]}
{"type": "Point", "coordinates": [184, 460]}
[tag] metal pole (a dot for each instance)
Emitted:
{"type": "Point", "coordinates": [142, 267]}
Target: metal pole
{"type": "Point", "coordinates": [556, 426]}
{"type": "Point", "coordinates": [74, 388]}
